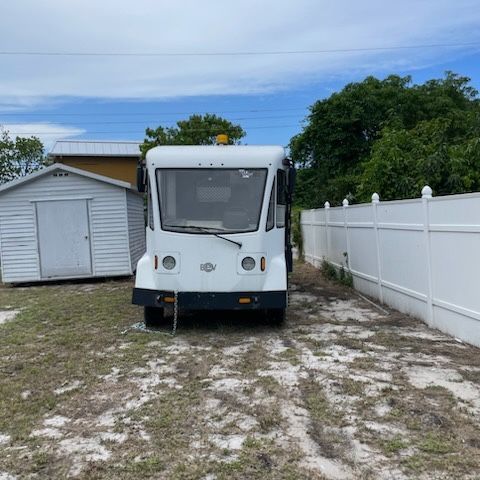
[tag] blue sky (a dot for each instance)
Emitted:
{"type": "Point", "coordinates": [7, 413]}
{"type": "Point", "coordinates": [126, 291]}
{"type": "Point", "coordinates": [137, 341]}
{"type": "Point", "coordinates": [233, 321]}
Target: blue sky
{"type": "Point", "coordinates": [117, 97]}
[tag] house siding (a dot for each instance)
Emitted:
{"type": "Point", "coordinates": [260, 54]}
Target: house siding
{"type": "Point", "coordinates": [19, 251]}
{"type": "Point", "coordinates": [136, 227]}
{"type": "Point", "coordinates": [121, 168]}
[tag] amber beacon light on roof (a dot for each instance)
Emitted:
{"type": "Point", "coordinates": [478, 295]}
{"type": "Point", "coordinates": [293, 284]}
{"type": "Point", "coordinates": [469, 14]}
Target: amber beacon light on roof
{"type": "Point", "coordinates": [222, 139]}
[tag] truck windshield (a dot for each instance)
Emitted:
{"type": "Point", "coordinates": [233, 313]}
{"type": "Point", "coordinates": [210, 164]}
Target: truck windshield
{"type": "Point", "coordinates": [217, 200]}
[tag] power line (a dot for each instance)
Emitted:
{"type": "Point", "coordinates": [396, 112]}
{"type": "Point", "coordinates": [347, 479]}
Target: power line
{"type": "Point", "coordinates": [232, 54]}
{"type": "Point", "coordinates": [130, 131]}
{"type": "Point", "coordinates": [156, 114]}
{"type": "Point", "coordinates": [145, 122]}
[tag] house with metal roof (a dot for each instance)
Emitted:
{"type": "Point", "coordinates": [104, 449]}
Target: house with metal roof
{"type": "Point", "coordinates": [63, 222]}
{"type": "Point", "coordinates": [115, 159]}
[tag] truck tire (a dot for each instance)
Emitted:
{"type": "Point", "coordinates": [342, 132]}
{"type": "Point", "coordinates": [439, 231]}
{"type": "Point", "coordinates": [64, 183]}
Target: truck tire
{"type": "Point", "coordinates": [153, 316]}
{"type": "Point", "coordinates": [276, 316]}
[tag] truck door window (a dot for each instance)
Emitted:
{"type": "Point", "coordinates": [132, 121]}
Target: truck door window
{"type": "Point", "coordinates": [281, 198]}
{"type": "Point", "coordinates": [271, 209]}
{"type": "Point", "coordinates": [149, 208]}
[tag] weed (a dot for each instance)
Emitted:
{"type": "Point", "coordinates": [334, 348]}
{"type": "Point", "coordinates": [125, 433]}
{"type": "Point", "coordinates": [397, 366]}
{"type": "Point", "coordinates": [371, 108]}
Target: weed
{"type": "Point", "coordinates": [267, 416]}
{"type": "Point", "coordinates": [255, 359]}
{"type": "Point", "coordinates": [145, 466]}
{"type": "Point", "coordinates": [297, 231]}
{"type": "Point", "coordinates": [415, 462]}
{"type": "Point", "coordinates": [269, 384]}
{"type": "Point", "coordinates": [340, 275]}
{"type": "Point", "coordinates": [364, 363]}
{"type": "Point", "coordinates": [394, 445]}
{"type": "Point", "coordinates": [435, 444]}
{"type": "Point", "coordinates": [317, 404]}
{"type": "Point", "coordinates": [40, 460]}
{"type": "Point", "coordinates": [345, 277]}
{"type": "Point", "coordinates": [291, 355]}
{"type": "Point", "coordinates": [352, 387]}
{"type": "Point", "coordinates": [328, 270]}
{"type": "Point", "coordinates": [351, 343]}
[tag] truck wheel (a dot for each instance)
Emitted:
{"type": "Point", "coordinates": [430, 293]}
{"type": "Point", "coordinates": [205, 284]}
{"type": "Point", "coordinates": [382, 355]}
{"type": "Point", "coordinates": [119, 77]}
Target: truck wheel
{"type": "Point", "coordinates": [153, 316]}
{"type": "Point", "coordinates": [276, 316]}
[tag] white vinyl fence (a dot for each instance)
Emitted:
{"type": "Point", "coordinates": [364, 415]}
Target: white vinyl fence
{"type": "Point", "coordinates": [420, 256]}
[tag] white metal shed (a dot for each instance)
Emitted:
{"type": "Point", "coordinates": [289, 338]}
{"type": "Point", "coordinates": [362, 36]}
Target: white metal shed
{"type": "Point", "coordinates": [62, 223]}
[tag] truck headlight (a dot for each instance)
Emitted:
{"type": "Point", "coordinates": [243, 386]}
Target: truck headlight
{"type": "Point", "coordinates": [248, 263]}
{"type": "Point", "coordinates": [169, 262]}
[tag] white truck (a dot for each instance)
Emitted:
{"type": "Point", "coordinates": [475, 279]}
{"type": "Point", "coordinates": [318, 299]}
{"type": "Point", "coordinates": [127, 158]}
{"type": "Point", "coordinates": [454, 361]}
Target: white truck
{"type": "Point", "coordinates": [218, 232]}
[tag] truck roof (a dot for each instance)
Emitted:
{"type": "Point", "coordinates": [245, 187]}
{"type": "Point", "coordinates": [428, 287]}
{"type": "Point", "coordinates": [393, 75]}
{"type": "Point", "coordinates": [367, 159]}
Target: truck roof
{"type": "Point", "coordinates": [192, 155]}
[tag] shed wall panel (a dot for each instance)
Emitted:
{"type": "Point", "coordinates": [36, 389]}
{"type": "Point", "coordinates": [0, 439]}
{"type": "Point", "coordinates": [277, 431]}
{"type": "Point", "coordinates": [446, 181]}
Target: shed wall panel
{"type": "Point", "coordinates": [107, 216]}
{"type": "Point", "coordinates": [136, 227]}
{"type": "Point", "coordinates": [18, 248]}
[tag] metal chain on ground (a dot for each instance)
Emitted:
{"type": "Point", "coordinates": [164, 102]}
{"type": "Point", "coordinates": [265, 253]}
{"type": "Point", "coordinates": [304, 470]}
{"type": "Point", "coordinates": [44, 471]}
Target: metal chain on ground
{"type": "Point", "coordinates": [175, 313]}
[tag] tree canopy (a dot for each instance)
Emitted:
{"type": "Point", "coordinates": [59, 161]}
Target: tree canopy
{"type": "Point", "coordinates": [443, 153]}
{"type": "Point", "coordinates": [196, 130]}
{"type": "Point", "coordinates": [391, 137]}
{"type": "Point", "coordinates": [19, 157]}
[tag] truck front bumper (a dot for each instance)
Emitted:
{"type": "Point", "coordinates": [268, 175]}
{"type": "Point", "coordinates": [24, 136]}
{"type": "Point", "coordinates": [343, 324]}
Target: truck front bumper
{"type": "Point", "coordinates": [211, 300]}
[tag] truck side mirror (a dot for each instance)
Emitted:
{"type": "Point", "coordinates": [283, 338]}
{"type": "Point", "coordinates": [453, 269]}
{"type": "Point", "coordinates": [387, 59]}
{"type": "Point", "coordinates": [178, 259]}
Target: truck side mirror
{"type": "Point", "coordinates": [140, 178]}
{"type": "Point", "coordinates": [292, 175]}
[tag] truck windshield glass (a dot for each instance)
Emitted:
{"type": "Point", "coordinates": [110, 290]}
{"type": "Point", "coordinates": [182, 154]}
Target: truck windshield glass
{"type": "Point", "coordinates": [217, 200]}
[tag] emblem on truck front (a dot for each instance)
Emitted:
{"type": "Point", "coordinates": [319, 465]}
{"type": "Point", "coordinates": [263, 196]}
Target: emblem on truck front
{"type": "Point", "coordinates": [207, 267]}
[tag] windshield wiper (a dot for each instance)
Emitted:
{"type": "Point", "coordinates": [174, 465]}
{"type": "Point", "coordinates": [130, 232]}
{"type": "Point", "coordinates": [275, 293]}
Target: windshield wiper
{"type": "Point", "coordinates": [207, 230]}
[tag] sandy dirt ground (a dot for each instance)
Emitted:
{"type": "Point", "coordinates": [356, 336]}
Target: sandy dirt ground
{"type": "Point", "coordinates": [344, 390]}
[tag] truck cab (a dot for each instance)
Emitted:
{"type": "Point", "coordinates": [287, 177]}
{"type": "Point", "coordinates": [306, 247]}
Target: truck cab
{"type": "Point", "coordinates": [218, 230]}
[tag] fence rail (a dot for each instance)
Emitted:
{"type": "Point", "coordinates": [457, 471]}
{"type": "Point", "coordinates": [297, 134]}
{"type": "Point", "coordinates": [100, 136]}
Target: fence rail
{"type": "Point", "coordinates": [420, 256]}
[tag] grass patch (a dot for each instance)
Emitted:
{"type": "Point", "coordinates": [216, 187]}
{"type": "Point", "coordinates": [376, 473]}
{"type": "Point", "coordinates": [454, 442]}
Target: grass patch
{"type": "Point", "coordinates": [351, 343]}
{"type": "Point", "coordinates": [352, 387]}
{"type": "Point", "coordinates": [363, 363]}
{"type": "Point", "coordinates": [414, 462]}
{"type": "Point", "coordinates": [145, 466]}
{"type": "Point", "coordinates": [290, 355]}
{"type": "Point", "coordinates": [325, 420]}
{"type": "Point", "coordinates": [318, 405]}
{"type": "Point", "coordinates": [261, 459]}
{"type": "Point", "coordinates": [435, 444]}
{"type": "Point", "coordinates": [394, 445]}
{"type": "Point", "coordinates": [256, 358]}
{"type": "Point", "coordinates": [54, 340]}
{"type": "Point", "coordinates": [270, 385]}
{"type": "Point", "coordinates": [267, 416]}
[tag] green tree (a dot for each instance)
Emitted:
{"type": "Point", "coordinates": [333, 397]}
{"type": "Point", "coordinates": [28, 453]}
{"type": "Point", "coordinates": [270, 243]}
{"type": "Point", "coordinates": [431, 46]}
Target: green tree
{"type": "Point", "coordinates": [342, 130]}
{"type": "Point", "coordinates": [443, 153]}
{"type": "Point", "coordinates": [196, 130]}
{"type": "Point", "coordinates": [19, 157]}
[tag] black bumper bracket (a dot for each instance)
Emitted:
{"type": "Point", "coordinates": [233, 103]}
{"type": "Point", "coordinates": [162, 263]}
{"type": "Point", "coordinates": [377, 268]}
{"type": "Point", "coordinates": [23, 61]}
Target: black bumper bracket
{"type": "Point", "coordinates": [212, 300]}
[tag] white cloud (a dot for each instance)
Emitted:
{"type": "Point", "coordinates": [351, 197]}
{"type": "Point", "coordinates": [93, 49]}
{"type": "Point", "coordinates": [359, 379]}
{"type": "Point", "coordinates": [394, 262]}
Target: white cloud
{"type": "Point", "coordinates": [48, 133]}
{"type": "Point", "coordinates": [214, 25]}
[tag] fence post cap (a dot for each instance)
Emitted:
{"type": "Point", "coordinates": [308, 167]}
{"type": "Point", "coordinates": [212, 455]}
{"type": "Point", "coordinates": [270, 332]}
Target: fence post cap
{"type": "Point", "coordinates": [345, 202]}
{"type": "Point", "coordinates": [426, 192]}
{"type": "Point", "coordinates": [327, 205]}
{"type": "Point", "coordinates": [375, 197]}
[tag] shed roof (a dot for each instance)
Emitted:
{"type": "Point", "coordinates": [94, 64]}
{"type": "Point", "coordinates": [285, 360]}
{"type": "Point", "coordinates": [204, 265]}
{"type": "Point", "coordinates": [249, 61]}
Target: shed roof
{"type": "Point", "coordinates": [66, 168]}
{"type": "Point", "coordinates": [95, 148]}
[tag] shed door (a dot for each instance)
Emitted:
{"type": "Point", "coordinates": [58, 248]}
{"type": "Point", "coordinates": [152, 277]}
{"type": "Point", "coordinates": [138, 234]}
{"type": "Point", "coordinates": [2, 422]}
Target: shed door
{"type": "Point", "coordinates": [64, 238]}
